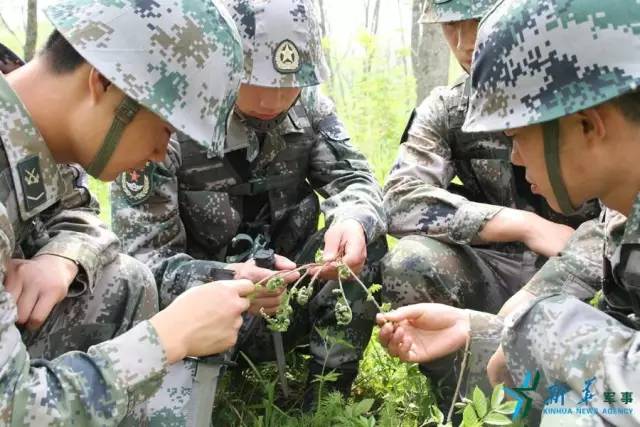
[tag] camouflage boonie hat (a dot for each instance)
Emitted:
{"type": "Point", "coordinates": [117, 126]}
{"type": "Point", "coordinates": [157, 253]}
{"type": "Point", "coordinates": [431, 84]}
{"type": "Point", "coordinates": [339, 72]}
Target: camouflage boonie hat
{"type": "Point", "coordinates": [181, 59]}
{"type": "Point", "coordinates": [282, 43]}
{"type": "Point", "coordinates": [539, 60]}
{"type": "Point", "coordinates": [440, 11]}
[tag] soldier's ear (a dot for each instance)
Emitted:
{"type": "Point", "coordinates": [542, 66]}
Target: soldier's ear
{"type": "Point", "coordinates": [98, 85]}
{"type": "Point", "coordinates": [593, 124]}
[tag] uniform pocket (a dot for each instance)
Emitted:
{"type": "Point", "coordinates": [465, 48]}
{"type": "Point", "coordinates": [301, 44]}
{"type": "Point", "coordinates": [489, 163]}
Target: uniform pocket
{"type": "Point", "coordinates": [209, 217]}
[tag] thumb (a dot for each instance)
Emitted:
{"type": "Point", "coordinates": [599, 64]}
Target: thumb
{"type": "Point", "coordinates": [408, 312]}
{"type": "Point", "coordinates": [284, 263]}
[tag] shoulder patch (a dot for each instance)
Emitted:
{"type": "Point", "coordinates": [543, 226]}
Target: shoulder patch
{"type": "Point", "coordinates": [137, 185]}
{"type": "Point", "coordinates": [33, 188]}
{"type": "Point", "coordinates": [286, 57]}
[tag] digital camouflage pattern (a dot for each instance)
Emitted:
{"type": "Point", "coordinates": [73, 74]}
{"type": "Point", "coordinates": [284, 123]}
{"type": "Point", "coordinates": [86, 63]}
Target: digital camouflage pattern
{"type": "Point", "coordinates": [282, 43]}
{"type": "Point", "coordinates": [541, 73]}
{"type": "Point", "coordinates": [576, 271]}
{"type": "Point", "coordinates": [180, 59]}
{"type": "Point", "coordinates": [439, 257]}
{"type": "Point", "coordinates": [44, 210]}
{"type": "Point", "coordinates": [184, 229]}
{"type": "Point", "coordinates": [436, 11]}
{"type": "Point", "coordinates": [569, 341]}
{"type": "Point", "coordinates": [545, 334]}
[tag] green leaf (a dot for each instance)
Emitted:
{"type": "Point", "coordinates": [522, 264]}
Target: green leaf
{"type": "Point", "coordinates": [479, 402]}
{"type": "Point", "coordinates": [436, 414]}
{"type": "Point", "coordinates": [469, 416]}
{"type": "Point", "coordinates": [375, 288]}
{"type": "Point", "coordinates": [495, 419]}
{"type": "Point", "coordinates": [363, 406]}
{"type": "Point", "coordinates": [497, 396]}
{"type": "Point", "coordinates": [507, 408]}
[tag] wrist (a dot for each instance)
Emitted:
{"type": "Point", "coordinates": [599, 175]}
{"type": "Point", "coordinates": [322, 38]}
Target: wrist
{"type": "Point", "coordinates": [172, 338]}
{"type": "Point", "coordinates": [66, 266]}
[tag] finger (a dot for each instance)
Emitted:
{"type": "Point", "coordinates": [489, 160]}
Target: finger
{"type": "Point", "coordinates": [266, 302]}
{"type": "Point", "coordinates": [396, 341]}
{"type": "Point", "coordinates": [291, 277]}
{"type": "Point", "coordinates": [284, 263]}
{"type": "Point", "coordinates": [332, 242]}
{"type": "Point", "coordinates": [243, 287]}
{"type": "Point", "coordinates": [26, 303]}
{"type": "Point", "coordinates": [385, 335]}
{"type": "Point", "coordinates": [381, 319]}
{"type": "Point", "coordinates": [245, 303]}
{"type": "Point", "coordinates": [41, 311]}
{"type": "Point", "coordinates": [355, 252]}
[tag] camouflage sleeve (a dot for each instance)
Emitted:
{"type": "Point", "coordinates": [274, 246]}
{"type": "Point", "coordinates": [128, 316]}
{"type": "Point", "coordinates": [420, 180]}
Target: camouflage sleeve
{"type": "Point", "coordinates": [415, 195]}
{"type": "Point", "coordinates": [96, 388]}
{"type": "Point", "coordinates": [485, 331]}
{"type": "Point", "coordinates": [153, 232]}
{"type": "Point", "coordinates": [570, 342]}
{"type": "Point", "coordinates": [76, 232]}
{"type": "Point", "coordinates": [340, 173]}
{"type": "Point", "coordinates": [577, 270]}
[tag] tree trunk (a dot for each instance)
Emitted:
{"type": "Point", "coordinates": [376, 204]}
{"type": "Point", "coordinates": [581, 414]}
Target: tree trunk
{"type": "Point", "coordinates": [429, 54]}
{"type": "Point", "coordinates": [31, 30]}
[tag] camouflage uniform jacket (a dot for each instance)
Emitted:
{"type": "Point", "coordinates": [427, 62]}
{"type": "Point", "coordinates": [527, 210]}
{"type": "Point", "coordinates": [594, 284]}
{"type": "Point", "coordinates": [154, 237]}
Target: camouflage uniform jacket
{"type": "Point", "coordinates": [36, 217]}
{"type": "Point", "coordinates": [183, 229]}
{"type": "Point", "coordinates": [571, 341]}
{"type": "Point", "coordinates": [419, 195]}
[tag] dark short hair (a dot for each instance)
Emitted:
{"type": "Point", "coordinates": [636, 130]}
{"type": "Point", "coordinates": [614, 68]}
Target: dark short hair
{"type": "Point", "coordinates": [60, 55]}
{"type": "Point", "coordinates": [629, 105]}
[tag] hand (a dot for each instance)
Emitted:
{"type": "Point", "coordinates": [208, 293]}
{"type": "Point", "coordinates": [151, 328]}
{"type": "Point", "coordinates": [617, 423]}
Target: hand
{"type": "Point", "coordinates": [263, 298]}
{"type": "Point", "coordinates": [542, 236]}
{"type": "Point", "coordinates": [423, 332]}
{"type": "Point", "coordinates": [497, 369]}
{"type": "Point", "coordinates": [347, 238]}
{"type": "Point", "coordinates": [204, 320]}
{"type": "Point", "coordinates": [37, 285]}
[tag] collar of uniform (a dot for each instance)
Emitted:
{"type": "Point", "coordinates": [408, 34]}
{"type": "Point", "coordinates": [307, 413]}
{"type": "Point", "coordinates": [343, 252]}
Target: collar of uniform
{"type": "Point", "coordinates": [35, 173]}
{"type": "Point", "coordinates": [463, 105]}
{"type": "Point", "coordinates": [632, 226]}
{"type": "Point", "coordinates": [237, 135]}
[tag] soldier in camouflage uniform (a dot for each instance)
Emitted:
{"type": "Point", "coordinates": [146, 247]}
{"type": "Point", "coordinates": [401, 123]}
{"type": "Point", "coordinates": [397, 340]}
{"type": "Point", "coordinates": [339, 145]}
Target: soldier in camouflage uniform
{"type": "Point", "coordinates": [284, 144]}
{"type": "Point", "coordinates": [575, 125]}
{"type": "Point", "coordinates": [93, 97]}
{"type": "Point", "coordinates": [475, 241]}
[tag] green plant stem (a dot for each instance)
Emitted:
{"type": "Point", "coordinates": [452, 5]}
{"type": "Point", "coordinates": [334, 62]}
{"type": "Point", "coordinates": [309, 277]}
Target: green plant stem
{"type": "Point", "coordinates": [358, 281]}
{"type": "Point", "coordinates": [463, 367]}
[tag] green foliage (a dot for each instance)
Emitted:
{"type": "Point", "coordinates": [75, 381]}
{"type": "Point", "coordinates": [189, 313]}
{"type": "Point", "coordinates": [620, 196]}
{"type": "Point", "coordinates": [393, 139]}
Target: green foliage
{"type": "Point", "coordinates": [374, 95]}
{"type": "Point", "coordinates": [480, 411]}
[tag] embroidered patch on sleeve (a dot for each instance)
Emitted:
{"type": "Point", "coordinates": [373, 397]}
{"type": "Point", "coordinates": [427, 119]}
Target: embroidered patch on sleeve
{"type": "Point", "coordinates": [137, 185]}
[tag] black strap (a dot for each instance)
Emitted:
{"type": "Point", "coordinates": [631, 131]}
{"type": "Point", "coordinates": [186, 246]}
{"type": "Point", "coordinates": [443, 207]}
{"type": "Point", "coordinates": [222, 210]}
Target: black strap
{"type": "Point", "coordinates": [125, 112]}
{"type": "Point", "coordinates": [552, 158]}
{"type": "Point", "coordinates": [405, 134]}
{"type": "Point", "coordinates": [263, 184]}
